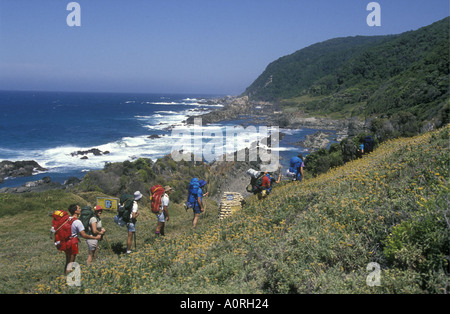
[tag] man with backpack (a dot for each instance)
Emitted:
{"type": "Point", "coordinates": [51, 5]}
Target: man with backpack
{"type": "Point", "coordinates": [95, 228]}
{"type": "Point", "coordinates": [163, 215]}
{"type": "Point", "coordinates": [77, 228]}
{"type": "Point", "coordinates": [132, 224]}
{"type": "Point", "coordinates": [198, 203]}
{"type": "Point", "coordinates": [270, 181]}
{"type": "Point", "coordinates": [127, 215]}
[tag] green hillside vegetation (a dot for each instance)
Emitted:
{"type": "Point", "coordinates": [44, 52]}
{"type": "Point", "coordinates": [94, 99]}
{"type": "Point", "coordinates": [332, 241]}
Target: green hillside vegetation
{"type": "Point", "coordinates": [288, 76]}
{"type": "Point", "coordinates": [364, 76]}
{"type": "Point", "coordinates": [318, 236]}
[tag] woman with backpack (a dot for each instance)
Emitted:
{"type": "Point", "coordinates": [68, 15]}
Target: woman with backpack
{"type": "Point", "coordinates": [95, 228]}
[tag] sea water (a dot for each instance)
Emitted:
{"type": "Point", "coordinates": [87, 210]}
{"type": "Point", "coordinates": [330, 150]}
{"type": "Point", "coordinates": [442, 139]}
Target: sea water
{"type": "Point", "coordinates": [50, 127]}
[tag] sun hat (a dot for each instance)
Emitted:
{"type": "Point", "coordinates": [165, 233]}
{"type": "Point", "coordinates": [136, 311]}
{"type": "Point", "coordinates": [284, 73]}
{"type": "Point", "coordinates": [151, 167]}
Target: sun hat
{"type": "Point", "coordinates": [167, 188]}
{"type": "Point", "coordinates": [137, 195]}
{"type": "Point", "coordinates": [202, 183]}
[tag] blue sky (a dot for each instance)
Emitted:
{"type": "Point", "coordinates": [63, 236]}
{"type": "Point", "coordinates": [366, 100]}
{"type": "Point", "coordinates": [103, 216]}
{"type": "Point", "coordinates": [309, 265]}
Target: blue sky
{"type": "Point", "coordinates": [178, 46]}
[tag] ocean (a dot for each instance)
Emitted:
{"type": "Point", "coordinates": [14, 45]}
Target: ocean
{"type": "Point", "coordinates": [50, 127]}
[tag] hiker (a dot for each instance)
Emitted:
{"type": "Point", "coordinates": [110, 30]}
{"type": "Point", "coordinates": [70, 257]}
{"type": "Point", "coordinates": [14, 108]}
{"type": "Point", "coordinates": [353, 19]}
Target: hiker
{"type": "Point", "coordinates": [77, 228]}
{"type": "Point", "coordinates": [127, 214]}
{"type": "Point", "coordinates": [131, 226]}
{"type": "Point", "coordinates": [273, 180]}
{"type": "Point", "coordinates": [163, 214]}
{"type": "Point", "coordinates": [95, 224]}
{"type": "Point", "coordinates": [296, 166]}
{"type": "Point", "coordinates": [198, 204]}
{"type": "Point", "coordinates": [266, 186]}
{"type": "Point", "coordinates": [369, 144]}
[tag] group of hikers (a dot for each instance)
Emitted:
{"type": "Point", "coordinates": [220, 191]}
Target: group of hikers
{"type": "Point", "coordinates": [261, 183]}
{"type": "Point", "coordinates": [68, 227]}
{"type": "Point", "coordinates": [86, 223]}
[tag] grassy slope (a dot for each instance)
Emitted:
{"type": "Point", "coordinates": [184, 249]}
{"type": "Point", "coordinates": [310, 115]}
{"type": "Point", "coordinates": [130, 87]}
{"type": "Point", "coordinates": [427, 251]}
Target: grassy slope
{"type": "Point", "coordinates": [390, 207]}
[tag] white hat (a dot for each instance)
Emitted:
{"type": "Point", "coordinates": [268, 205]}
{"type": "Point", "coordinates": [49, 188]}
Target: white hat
{"type": "Point", "coordinates": [137, 195]}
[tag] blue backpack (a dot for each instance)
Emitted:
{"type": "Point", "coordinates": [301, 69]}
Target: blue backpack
{"type": "Point", "coordinates": [295, 164]}
{"type": "Point", "coordinates": [194, 187]}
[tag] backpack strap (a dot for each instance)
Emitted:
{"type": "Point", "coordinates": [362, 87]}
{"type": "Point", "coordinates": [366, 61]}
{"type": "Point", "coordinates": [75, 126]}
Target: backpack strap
{"type": "Point", "coordinates": [62, 224]}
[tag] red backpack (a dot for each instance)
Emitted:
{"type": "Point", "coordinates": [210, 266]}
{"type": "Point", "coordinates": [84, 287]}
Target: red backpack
{"type": "Point", "coordinates": [62, 224]}
{"type": "Point", "coordinates": [156, 192]}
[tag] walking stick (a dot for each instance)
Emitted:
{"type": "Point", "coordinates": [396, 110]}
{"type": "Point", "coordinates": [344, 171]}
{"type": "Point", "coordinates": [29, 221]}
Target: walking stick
{"type": "Point", "coordinates": [207, 192]}
{"type": "Point", "coordinates": [107, 242]}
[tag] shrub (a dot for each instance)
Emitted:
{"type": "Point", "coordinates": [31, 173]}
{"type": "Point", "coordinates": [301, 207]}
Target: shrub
{"type": "Point", "coordinates": [421, 242]}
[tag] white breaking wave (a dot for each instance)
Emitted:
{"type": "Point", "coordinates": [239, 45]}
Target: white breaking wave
{"type": "Point", "coordinates": [162, 103]}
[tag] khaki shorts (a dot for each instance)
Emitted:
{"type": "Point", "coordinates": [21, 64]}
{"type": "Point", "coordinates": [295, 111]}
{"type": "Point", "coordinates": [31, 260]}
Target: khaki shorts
{"type": "Point", "coordinates": [92, 244]}
{"type": "Point", "coordinates": [161, 217]}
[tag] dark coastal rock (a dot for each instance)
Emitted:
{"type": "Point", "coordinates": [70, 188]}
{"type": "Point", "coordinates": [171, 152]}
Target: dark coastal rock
{"type": "Point", "coordinates": [233, 108]}
{"type": "Point", "coordinates": [42, 185]}
{"type": "Point", "coordinates": [72, 181]}
{"type": "Point", "coordinates": [94, 151]}
{"type": "Point", "coordinates": [19, 168]}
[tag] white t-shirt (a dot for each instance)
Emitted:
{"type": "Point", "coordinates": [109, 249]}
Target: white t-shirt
{"type": "Point", "coordinates": [76, 228]}
{"type": "Point", "coordinates": [95, 220]}
{"type": "Point", "coordinates": [165, 201]}
{"type": "Point", "coordinates": [134, 210]}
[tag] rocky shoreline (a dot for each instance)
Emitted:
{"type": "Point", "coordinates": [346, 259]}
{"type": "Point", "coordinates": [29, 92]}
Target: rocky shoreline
{"type": "Point", "coordinates": [257, 112]}
{"type": "Point", "coordinates": [234, 108]}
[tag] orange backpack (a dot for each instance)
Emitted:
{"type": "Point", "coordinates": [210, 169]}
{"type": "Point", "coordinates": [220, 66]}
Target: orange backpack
{"type": "Point", "coordinates": [156, 192]}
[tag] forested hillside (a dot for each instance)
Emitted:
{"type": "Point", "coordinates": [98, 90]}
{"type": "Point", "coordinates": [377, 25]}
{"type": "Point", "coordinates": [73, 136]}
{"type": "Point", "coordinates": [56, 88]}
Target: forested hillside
{"type": "Point", "coordinates": [364, 76]}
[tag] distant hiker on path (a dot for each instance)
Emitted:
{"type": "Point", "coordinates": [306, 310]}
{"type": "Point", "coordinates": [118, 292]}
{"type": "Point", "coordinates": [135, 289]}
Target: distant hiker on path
{"type": "Point", "coordinates": [266, 187]}
{"type": "Point", "coordinates": [95, 224]}
{"type": "Point", "coordinates": [163, 214]}
{"type": "Point", "coordinates": [296, 166]}
{"type": "Point", "coordinates": [77, 228]}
